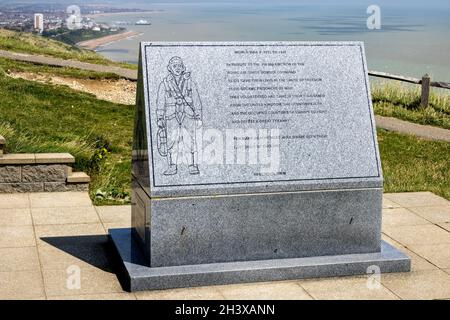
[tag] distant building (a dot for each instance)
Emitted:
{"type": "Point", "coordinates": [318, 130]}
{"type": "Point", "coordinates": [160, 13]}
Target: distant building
{"type": "Point", "coordinates": [39, 22]}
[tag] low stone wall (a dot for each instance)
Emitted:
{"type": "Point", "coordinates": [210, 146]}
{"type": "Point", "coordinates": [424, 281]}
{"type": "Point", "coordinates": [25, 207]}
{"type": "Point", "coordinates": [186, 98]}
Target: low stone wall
{"type": "Point", "coordinates": [39, 172]}
{"type": "Point", "coordinates": [37, 178]}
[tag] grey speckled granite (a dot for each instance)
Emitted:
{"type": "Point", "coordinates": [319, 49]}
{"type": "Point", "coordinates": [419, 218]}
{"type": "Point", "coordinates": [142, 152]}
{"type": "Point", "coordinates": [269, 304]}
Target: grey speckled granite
{"type": "Point", "coordinates": [317, 96]}
{"type": "Point", "coordinates": [266, 226]}
{"type": "Point", "coordinates": [317, 214]}
{"type": "Point", "coordinates": [135, 275]}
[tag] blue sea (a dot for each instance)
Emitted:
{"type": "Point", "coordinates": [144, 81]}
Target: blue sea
{"type": "Point", "coordinates": [413, 39]}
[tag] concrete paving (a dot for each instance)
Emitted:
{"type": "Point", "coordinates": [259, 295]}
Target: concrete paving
{"type": "Point", "coordinates": [55, 246]}
{"type": "Point", "coordinates": [418, 130]}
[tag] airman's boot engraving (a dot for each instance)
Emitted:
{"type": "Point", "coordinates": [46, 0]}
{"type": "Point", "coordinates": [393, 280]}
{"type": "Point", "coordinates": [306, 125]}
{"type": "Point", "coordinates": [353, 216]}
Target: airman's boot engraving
{"type": "Point", "coordinates": [179, 115]}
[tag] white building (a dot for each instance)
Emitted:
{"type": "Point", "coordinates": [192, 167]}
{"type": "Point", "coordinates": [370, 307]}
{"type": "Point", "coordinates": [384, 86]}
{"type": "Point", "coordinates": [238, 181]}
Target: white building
{"type": "Point", "coordinates": [39, 22]}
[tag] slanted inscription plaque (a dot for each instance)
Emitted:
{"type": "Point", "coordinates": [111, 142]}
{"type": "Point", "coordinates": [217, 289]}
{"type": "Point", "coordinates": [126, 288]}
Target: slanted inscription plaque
{"type": "Point", "coordinates": [250, 157]}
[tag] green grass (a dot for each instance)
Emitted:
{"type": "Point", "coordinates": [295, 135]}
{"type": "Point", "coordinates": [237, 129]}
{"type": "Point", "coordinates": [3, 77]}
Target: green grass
{"type": "Point", "coordinates": [50, 118]}
{"type": "Point", "coordinates": [393, 99]}
{"type": "Point", "coordinates": [18, 66]}
{"type": "Point", "coordinates": [411, 164]}
{"type": "Point", "coordinates": [33, 44]}
{"type": "Point", "coordinates": [72, 37]}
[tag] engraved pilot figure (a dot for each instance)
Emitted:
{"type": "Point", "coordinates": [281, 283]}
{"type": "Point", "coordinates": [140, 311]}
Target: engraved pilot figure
{"type": "Point", "coordinates": [179, 115]}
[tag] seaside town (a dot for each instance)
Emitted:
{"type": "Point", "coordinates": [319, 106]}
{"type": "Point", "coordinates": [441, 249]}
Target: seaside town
{"type": "Point", "coordinates": [53, 19]}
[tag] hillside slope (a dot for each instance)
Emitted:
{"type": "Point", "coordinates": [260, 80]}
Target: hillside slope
{"type": "Point", "coordinates": [49, 118]}
{"type": "Point", "coordinates": [29, 43]}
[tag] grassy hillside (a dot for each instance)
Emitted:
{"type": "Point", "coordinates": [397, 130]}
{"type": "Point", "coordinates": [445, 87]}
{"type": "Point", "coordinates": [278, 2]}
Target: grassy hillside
{"type": "Point", "coordinates": [99, 134]}
{"type": "Point", "coordinates": [72, 37]}
{"type": "Point", "coordinates": [33, 44]}
{"type": "Point", "coordinates": [57, 119]}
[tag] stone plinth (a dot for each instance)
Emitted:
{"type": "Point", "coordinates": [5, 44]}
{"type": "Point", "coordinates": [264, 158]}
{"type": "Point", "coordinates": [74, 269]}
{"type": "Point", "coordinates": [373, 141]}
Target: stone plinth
{"type": "Point", "coordinates": [253, 161]}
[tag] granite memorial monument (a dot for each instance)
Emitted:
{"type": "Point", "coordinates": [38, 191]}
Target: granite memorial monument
{"type": "Point", "coordinates": [253, 161]}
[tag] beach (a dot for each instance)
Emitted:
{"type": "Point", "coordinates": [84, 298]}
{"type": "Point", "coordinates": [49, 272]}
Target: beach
{"type": "Point", "coordinates": [94, 43]}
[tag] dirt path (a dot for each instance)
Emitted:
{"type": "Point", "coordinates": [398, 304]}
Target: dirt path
{"type": "Point", "coordinates": [117, 91]}
{"type": "Point", "coordinates": [419, 130]}
{"type": "Point", "coordinates": [122, 72]}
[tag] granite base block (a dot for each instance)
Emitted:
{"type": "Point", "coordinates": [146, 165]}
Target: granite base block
{"type": "Point", "coordinates": [201, 230]}
{"type": "Point", "coordinates": [135, 275]}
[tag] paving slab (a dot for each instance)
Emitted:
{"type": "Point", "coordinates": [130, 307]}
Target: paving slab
{"type": "Point", "coordinates": [56, 255]}
{"type": "Point", "coordinates": [445, 226]}
{"type": "Point", "coordinates": [98, 296]}
{"type": "Point", "coordinates": [16, 236]}
{"type": "Point", "coordinates": [19, 259]}
{"type": "Point", "coordinates": [110, 214]}
{"type": "Point", "coordinates": [401, 217]}
{"type": "Point", "coordinates": [73, 229]}
{"type": "Point", "coordinates": [354, 288]}
{"type": "Point", "coordinates": [14, 200]}
{"type": "Point", "coordinates": [416, 199]}
{"type": "Point", "coordinates": [65, 236]}
{"type": "Point", "coordinates": [438, 254]}
{"type": "Point", "coordinates": [388, 204]}
{"type": "Point", "coordinates": [70, 232]}
{"type": "Point", "coordinates": [417, 262]}
{"type": "Point", "coordinates": [59, 199]}
{"type": "Point", "coordinates": [419, 284]}
{"type": "Point", "coordinates": [280, 290]}
{"type": "Point", "coordinates": [15, 217]}
{"type": "Point", "coordinates": [423, 234]}
{"type": "Point", "coordinates": [92, 281]}
{"type": "Point", "coordinates": [437, 214]}
{"type": "Point", "coordinates": [199, 293]}
{"type": "Point", "coordinates": [20, 285]}
{"type": "Point", "coordinates": [65, 215]}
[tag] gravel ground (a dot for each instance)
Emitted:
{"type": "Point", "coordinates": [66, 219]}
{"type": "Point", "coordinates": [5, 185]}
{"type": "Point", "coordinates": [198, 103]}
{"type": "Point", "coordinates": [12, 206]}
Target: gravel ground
{"type": "Point", "coordinates": [117, 91]}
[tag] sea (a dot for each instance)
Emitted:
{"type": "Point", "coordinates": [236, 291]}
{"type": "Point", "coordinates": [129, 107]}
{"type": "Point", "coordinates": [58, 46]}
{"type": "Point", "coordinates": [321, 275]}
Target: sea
{"type": "Point", "coordinates": [413, 38]}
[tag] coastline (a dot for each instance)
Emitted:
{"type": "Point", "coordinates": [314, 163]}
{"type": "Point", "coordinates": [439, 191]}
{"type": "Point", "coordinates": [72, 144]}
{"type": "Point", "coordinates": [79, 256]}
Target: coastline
{"type": "Point", "coordinates": [95, 43]}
